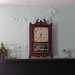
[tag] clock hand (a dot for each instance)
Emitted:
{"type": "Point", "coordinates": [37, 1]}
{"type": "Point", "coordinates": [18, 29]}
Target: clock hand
{"type": "Point", "coordinates": [40, 35]}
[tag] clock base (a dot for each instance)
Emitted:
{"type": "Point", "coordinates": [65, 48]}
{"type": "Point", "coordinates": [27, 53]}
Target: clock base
{"type": "Point", "coordinates": [34, 57]}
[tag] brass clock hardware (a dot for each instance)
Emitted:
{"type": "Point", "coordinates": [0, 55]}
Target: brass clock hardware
{"type": "Point", "coordinates": [41, 44]}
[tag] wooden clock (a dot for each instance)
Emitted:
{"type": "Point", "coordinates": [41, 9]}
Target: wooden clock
{"type": "Point", "coordinates": [40, 39]}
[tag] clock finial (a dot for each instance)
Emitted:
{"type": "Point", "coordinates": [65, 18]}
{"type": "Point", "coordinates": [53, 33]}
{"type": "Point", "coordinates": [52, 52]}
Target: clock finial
{"type": "Point", "coordinates": [44, 20]}
{"type": "Point", "coordinates": [41, 22]}
{"type": "Point", "coordinates": [37, 20]}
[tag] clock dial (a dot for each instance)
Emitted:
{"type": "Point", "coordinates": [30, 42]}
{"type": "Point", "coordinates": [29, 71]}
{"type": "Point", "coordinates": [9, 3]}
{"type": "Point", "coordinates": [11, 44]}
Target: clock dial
{"type": "Point", "coordinates": [40, 34]}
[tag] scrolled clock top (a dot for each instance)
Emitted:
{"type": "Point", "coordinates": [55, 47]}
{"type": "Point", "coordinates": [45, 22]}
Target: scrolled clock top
{"type": "Point", "coordinates": [41, 23]}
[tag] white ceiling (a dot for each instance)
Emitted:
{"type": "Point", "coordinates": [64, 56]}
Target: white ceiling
{"type": "Point", "coordinates": [59, 2]}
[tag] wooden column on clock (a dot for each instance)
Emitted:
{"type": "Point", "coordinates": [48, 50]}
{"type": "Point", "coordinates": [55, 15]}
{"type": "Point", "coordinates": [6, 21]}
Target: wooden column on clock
{"type": "Point", "coordinates": [40, 39]}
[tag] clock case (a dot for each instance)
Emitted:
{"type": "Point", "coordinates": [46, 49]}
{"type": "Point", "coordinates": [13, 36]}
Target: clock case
{"type": "Point", "coordinates": [31, 39]}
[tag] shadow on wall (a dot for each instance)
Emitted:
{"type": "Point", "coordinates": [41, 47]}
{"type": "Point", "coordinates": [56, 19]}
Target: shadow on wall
{"type": "Point", "coordinates": [55, 38]}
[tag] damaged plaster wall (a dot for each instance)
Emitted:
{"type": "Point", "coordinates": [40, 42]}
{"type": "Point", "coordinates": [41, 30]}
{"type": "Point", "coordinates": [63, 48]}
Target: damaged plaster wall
{"type": "Point", "coordinates": [14, 27]}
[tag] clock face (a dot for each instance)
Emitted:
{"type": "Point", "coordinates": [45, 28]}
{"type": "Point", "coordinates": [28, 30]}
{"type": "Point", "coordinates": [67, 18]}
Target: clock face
{"type": "Point", "coordinates": [40, 34]}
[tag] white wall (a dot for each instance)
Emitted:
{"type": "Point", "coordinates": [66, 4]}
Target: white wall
{"type": "Point", "coordinates": [14, 19]}
{"type": "Point", "coordinates": [51, 2]}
